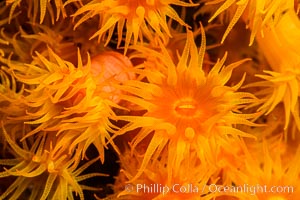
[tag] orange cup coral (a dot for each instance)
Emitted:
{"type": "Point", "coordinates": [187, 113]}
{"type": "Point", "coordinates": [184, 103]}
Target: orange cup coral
{"type": "Point", "coordinates": [183, 104]}
{"type": "Point", "coordinates": [138, 17]}
{"type": "Point", "coordinates": [155, 92]}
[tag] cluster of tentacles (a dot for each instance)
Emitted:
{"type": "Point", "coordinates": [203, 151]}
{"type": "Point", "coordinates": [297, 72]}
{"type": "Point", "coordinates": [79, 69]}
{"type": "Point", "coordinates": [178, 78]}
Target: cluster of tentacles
{"type": "Point", "coordinates": [149, 99]}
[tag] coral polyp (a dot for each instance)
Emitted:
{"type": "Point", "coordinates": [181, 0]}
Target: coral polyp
{"type": "Point", "coordinates": [149, 99]}
{"type": "Point", "coordinates": [37, 164]}
{"type": "Point", "coordinates": [136, 19]}
{"type": "Point", "coordinates": [38, 8]}
{"type": "Point", "coordinates": [256, 14]}
{"type": "Point", "coordinates": [183, 104]}
{"type": "Point", "coordinates": [282, 83]}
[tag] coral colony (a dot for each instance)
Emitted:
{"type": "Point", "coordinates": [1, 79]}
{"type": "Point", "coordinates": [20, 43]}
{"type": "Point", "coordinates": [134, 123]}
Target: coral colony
{"type": "Point", "coordinates": [150, 99]}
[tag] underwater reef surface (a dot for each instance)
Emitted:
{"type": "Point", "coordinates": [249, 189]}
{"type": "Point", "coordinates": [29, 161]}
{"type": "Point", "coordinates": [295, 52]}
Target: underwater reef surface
{"type": "Point", "coordinates": [149, 99]}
